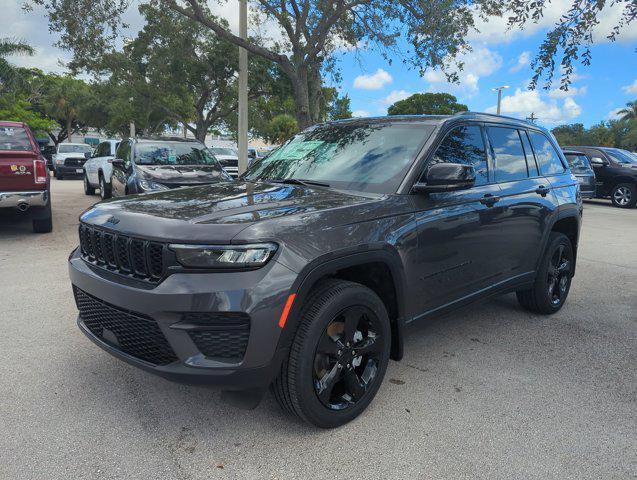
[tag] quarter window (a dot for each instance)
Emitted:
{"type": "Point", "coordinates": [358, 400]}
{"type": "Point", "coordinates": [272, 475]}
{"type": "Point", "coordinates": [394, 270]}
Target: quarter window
{"type": "Point", "coordinates": [510, 162]}
{"type": "Point", "coordinates": [547, 158]}
{"type": "Point", "coordinates": [464, 145]}
{"type": "Point", "coordinates": [530, 160]}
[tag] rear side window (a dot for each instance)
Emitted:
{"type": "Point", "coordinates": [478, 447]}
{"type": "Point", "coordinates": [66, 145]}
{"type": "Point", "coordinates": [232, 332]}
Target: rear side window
{"type": "Point", "coordinates": [510, 162]}
{"type": "Point", "coordinates": [464, 145]}
{"type": "Point", "coordinates": [15, 138]}
{"type": "Point", "coordinates": [530, 160]}
{"type": "Point", "coordinates": [577, 162]}
{"type": "Point", "coordinates": [547, 157]}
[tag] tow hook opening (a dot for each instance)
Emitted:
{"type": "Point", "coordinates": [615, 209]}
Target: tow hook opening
{"type": "Point", "coordinates": [23, 206]}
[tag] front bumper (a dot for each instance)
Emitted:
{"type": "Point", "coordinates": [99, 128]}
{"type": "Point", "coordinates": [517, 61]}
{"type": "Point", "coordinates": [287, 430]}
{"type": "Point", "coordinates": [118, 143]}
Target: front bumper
{"type": "Point", "coordinates": [69, 170]}
{"type": "Point", "coordinates": [260, 293]}
{"type": "Point", "coordinates": [37, 198]}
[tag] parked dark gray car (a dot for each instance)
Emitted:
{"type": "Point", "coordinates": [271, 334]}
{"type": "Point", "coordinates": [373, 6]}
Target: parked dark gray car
{"type": "Point", "coordinates": [303, 274]}
{"type": "Point", "coordinates": [581, 168]}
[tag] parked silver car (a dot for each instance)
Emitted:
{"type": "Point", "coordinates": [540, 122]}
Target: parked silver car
{"type": "Point", "coordinates": [98, 169]}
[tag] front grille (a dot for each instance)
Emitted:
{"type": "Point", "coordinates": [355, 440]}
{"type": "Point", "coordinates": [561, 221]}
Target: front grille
{"type": "Point", "coordinates": [74, 162]}
{"type": "Point", "coordinates": [122, 254]}
{"type": "Point", "coordinates": [132, 333]}
{"type": "Point", "coordinates": [219, 335]}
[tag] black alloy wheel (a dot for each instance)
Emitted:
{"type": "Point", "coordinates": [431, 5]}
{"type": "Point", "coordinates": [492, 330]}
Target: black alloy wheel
{"type": "Point", "coordinates": [347, 358]}
{"type": "Point", "coordinates": [339, 354]}
{"type": "Point", "coordinates": [558, 276]}
{"type": "Point", "coordinates": [553, 279]}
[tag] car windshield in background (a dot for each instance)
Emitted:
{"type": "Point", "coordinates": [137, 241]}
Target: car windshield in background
{"type": "Point", "coordinates": [70, 148]}
{"type": "Point", "coordinates": [367, 157]}
{"type": "Point", "coordinates": [14, 138]}
{"type": "Point", "coordinates": [621, 156]}
{"type": "Point", "coordinates": [578, 163]}
{"type": "Point", "coordinates": [223, 151]}
{"type": "Point", "coordinates": [173, 153]}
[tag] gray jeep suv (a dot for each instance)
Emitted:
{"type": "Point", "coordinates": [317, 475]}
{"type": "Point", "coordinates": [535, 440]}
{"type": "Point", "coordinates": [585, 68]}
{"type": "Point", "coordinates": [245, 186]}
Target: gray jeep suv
{"type": "Point", "coordinates": [303, 274]}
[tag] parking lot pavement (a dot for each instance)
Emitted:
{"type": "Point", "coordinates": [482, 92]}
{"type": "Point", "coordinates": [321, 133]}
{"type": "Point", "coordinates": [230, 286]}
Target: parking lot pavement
{"type": "Point", "coordinates": [488, 392]}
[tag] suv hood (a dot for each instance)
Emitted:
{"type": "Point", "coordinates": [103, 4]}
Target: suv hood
{"type": "Point", "coordinates": [180, 174]}
{"type": "Point", "coordinates": [216, 213]}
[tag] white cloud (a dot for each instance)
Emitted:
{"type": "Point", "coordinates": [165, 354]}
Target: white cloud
{"type": "Point", "coordinates": [632, 88]}
{"type": "Point", "coordinates": [361, 113]}
{"type": "Point", "coordinates": [614, 114]}
{"type": "Point", "coordinates": [477, 63]}
{"type": "Point", "coordinates": [395, 96]}
{"type": "Point", "coordinates": [523, 61]}
{"type": "Point", "coordinates": [571, 92]}
{"type": "Point", "coordinates": [523, 102]}
{"type": "Point", "coordinates": [375, 81]}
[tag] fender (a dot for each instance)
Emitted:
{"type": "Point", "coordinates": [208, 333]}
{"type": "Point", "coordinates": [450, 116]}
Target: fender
{"type": "Point", "coordinates": [328, 264]}
{"type": "Point", "coordinates": [562, 212]}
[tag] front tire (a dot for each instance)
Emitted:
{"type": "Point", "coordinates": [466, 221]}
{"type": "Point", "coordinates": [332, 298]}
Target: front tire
{"type": "Point", "coordinates": [624, 195]}
{"type": "Point", "coordinates": [338, 357]}
{"type": "Point", "coordinates": [88, 189]}
{"type": "Point", "coordinates": [105, 190]}
{"type": "Point", "coordinates": [553, 280]}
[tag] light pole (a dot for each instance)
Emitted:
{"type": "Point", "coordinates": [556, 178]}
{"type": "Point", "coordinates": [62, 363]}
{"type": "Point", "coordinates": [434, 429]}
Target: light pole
{"type": "Point", "coordinates": [243, 88]}
{"type": "Point", "coordinates": [499, 90]}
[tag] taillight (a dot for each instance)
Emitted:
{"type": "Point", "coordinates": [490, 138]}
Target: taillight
{"type": "Point", "coordinates": [39, 171]}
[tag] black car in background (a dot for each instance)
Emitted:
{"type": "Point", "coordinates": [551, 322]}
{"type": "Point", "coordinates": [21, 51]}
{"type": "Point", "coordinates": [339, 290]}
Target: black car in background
{"type": "Point", "coordinates": [581, 168]}
{"type": "Point", "coordinates": [615, 172]}
{"type": "Point", "coordinates": [149, 165]}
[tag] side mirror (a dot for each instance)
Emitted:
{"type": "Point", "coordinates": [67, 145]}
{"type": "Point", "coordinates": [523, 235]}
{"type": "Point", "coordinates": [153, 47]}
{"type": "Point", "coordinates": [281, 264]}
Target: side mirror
{"type": "Point", "coordinates": [88, 155]}
{"type": "Point", "coordinates": [117, 162]}
{"type": "Point", "coordinates": [447, 177]}
{"type": "Point", "coordinates": [598, 162]}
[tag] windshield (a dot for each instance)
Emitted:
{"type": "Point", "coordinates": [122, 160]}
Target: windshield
{"type": "Point", "coordinates": [223, 151]}
{"type": "Point", "coordinates": [71, 148]}
{"type": "Point", "coordinates": [578, 162]}
{"type": "Point", "coordinates": [173, 153]}
{"type": "Point", "coordinates": [14, 138]}
{"type": "Point", "coordinates": [372, 157]}
{"type": "Point", "coordinates": [621, 156]}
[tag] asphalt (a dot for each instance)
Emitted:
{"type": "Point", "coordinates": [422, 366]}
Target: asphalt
{"type": "Point", "coordinates": [489, 392]}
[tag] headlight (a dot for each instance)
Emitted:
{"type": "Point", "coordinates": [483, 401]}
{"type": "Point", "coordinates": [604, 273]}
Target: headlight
{"type": "Point", "coordinates": [150, 186]}
{"type": "Point", "coordinates": [224, 256]}
{"type": "Point", "coordinates": [59, 161]}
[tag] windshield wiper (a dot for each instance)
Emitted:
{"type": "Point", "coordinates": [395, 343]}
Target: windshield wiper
{"type": "Point", "coordinates": [298, 181]}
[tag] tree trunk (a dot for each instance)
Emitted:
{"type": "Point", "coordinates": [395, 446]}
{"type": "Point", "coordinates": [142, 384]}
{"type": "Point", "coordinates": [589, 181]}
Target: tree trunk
{"type": "Point", "coordinates": [68, 130]}
{"type": "Point", "coordinates": [302, 97]}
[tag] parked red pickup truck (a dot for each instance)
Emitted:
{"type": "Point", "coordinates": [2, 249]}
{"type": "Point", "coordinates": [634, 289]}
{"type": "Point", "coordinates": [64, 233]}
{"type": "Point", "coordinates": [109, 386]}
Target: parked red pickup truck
{"type": "Point", "coordinates": [24, 180]}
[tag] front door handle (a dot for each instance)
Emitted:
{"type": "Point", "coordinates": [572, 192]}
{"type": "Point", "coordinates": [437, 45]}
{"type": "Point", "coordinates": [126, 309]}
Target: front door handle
{"type": "Point", "coordinates": [542, 190]}
{"type": "Point", "coordinates": [489, 200]}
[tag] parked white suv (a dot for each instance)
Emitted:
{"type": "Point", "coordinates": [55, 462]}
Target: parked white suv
{"type": "Point", "coordinates": [98, 169]}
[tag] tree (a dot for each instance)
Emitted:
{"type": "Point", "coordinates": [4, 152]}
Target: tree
{"type": "Point", "coordinates": [338, 108]}
{"type": "Point", "coordinates": [64, 101]}
{"type": "Point", "coordinates": [8, 73]}
{"type": "Point", "coordinates": [311, 31]}
{"type": "Point", "coordinates": [18, 109]}
{"type": "Point", "coordinates": [630, 112]}
{"type": "Point", "coordinates": [614, 133]}
{"type": "Point", "coordinates": [281, 128]}
{"type": "Point", "coordinates": [427, 104]}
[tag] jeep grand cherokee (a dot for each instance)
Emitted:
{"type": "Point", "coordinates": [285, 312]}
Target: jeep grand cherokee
{"type": "Point", "coordinates": [302, 275]}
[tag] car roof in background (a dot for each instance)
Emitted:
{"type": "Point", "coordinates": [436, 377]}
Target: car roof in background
{"type": "Point", "coordinates": [166, 140]}
{"type": "Point", "coordinates": [569, 151]}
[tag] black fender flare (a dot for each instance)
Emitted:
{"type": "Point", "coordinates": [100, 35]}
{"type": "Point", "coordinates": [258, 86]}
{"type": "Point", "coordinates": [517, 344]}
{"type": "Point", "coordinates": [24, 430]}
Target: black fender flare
{"type": "Point", "coordinates": [325, 265]}
{"type": "Point", "coordinates": [562, 212]}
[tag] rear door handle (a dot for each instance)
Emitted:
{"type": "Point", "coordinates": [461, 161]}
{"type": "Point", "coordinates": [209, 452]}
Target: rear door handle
{"type": "Point", "coordinates": [489, 200]}
{"type": "Point", "coordinates": [542, 190]}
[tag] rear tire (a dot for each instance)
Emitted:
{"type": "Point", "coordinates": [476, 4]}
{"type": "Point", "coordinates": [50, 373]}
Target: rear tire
{"type": "Point", "coordinates": [324, 381]}
{"type": "Point", "coordinates": [44, 222]}
{"type": "Point", "coordinates": [88, 189]}
{"type": "Point", "coordinates": [624, 195]}
{"type": "Point", "coordinates": [553, 279]}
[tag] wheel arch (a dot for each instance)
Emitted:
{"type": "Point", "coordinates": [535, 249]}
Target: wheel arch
{"type": "Point", "coordinates": [379, 269]}
{"type": "Point", "coordinates": [568, 222]}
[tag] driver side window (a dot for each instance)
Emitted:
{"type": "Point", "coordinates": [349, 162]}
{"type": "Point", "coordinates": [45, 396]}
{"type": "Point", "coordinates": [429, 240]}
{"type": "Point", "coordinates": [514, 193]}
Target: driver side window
{"type": "Point", "coordinates": [463, 145]}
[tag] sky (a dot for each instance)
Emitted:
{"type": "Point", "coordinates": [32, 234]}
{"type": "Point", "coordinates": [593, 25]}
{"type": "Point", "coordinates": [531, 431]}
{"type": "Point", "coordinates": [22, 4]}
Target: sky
{"type": "Point", "coordinates": [498, 57]}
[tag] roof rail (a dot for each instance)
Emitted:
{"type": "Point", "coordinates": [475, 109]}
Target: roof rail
{"type": "Point", "coordinates": [493, 115]}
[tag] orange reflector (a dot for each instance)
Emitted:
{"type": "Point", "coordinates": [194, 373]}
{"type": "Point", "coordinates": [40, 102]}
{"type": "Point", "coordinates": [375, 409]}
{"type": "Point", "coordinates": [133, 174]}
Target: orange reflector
{"type": "Point", "coordinates": [286, 310]}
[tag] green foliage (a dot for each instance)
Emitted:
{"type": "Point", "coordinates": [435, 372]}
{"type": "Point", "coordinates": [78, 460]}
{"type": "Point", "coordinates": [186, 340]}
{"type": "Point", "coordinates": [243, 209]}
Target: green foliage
{"type": "Point", "coordinates": [427, 104]}
{"type": "Point", "coordinates": [615, 133]}
{"type": "Point", "coordinates": [281, 128]}
{"type": "Point", "coordinates": [9, 77]}
{"type": "Point", "coordinates": [338, 108]}
{"type": "Point", "coordinates": [19, 109]}
{"type": "Point", "coordinates": [630, 112]}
